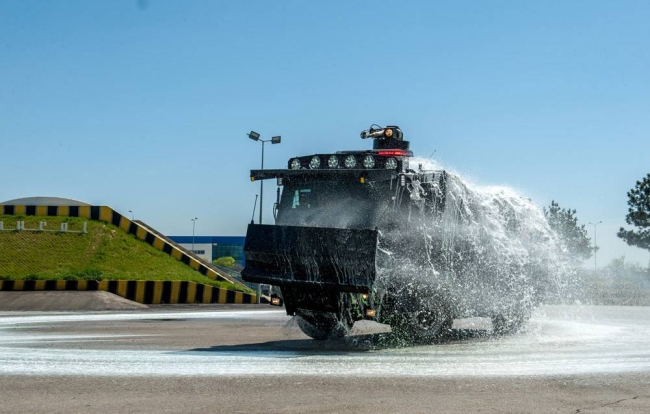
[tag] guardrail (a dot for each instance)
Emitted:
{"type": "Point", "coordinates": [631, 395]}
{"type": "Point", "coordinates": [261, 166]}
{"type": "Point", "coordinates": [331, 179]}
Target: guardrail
{"type": "Point", "coordinates": [20, 226]}
{"type": "Point", "coordinates": [265, 289]}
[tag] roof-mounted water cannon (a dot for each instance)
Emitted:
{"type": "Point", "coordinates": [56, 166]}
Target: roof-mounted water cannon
{"type": "Point", "coordinates": [389, 137]}
{"type": "Point", "coordinates": [377, 132]}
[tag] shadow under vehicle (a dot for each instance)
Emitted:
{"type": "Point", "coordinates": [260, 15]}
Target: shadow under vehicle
{"type": "Point", "coordinates": [363, 235]}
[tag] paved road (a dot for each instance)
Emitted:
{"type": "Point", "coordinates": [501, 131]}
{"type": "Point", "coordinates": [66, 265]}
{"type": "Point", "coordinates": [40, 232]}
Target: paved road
{"type": "Point", "coordinates": [253, 359]}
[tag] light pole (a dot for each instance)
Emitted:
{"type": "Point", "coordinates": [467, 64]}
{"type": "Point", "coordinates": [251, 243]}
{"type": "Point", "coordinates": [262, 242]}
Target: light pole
{"type": "Point", "coordinates": [132, 216]}
{"type": "Point", "coordinates": [595, 246]}
{"type": "Point", "coordinates": [274, 140]}
{"type": "Point", "coordinates": [193, 227]}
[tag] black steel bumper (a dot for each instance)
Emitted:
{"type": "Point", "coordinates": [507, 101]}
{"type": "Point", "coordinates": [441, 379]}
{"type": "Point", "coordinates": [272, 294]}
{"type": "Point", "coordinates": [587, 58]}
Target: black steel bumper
{"type": "Point", "coordinates": [323, 258]}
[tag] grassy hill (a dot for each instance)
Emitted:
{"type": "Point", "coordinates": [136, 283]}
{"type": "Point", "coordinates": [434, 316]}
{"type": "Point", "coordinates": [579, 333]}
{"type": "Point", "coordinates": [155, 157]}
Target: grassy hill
{"type": "Point", "coordinates": [104, 253]}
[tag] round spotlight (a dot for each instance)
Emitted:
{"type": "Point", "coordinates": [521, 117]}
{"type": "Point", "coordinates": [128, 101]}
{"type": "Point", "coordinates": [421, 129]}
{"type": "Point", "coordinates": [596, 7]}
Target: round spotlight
{"type": "Point", "coordinates": [350, 161]}
{"type": "Point", "coordinates": [333, 161]}
{"type": "Point", "coordinates": [369, 161]}
{"type": "Point", "coordinates": [314, 162]}
{"type": "Point", "coordinates": [391, 163]}
{"type": "Point", "coordinates": [295, 164]}
{"type": "Point", "coordinates": [388, 133]}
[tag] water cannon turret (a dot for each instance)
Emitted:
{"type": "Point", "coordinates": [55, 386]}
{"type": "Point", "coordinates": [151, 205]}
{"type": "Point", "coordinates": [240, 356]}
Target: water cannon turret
{"type": "Point", "coordinates": [377, 132]}
{"type": "Point", "coordinates": [389, 137]}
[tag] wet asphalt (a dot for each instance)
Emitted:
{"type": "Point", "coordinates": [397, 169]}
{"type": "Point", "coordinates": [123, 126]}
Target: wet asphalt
{"type": "Point", "coordinates": [255, 359]}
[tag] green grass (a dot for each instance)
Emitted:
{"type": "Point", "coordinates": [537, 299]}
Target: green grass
{"type": "Point", "coordinates": [104, 253]}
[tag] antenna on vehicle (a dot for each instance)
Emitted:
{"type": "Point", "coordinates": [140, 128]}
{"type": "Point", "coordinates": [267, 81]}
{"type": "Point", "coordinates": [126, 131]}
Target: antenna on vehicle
{"type": "Point", "coordinates": [254, 207]}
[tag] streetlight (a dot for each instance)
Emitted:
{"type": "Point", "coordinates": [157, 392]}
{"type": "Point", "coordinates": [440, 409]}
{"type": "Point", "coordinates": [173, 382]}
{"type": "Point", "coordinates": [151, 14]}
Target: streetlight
{"type": "Point", "coordinates": [193, 227]}
{"type": "Point", "coordinates": [274, 140]}
{"type": "Point", "coordinates": [132, 216]}
{"type": "Point", "coordinates": [595, 246]}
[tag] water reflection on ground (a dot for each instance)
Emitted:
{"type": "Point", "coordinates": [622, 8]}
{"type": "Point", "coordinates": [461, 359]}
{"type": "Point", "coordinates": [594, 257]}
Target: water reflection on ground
{"type": "Point", "coordinates": [557, 341]}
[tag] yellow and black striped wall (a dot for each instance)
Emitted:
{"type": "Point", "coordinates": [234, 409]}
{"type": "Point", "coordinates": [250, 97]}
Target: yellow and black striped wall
{"type": "Point", "coordinates": [146, 292]}
{"type": "Point", "coordinates": [108, 215]}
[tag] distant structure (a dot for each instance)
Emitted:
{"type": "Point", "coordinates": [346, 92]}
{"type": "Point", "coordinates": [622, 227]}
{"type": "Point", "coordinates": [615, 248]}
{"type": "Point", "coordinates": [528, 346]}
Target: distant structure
{"type": "Point", "coordinates": [45, 201]}
{"type": "Point", "coordinates": [210, 248]}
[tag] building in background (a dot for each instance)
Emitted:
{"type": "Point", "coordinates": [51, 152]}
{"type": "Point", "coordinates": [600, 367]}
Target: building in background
{"type": "Point", "coordinates": [214, 247]}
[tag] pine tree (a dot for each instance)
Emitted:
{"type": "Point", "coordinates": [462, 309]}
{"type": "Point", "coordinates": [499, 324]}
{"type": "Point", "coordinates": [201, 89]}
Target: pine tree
{"type": "Point", "coordinates": [565, 224]}
{"type": "Point", "coordinates": [638, 215]}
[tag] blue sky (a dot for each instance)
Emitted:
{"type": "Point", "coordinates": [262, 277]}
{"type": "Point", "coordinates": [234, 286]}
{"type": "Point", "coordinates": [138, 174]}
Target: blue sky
{"type": "Point", "coordinates": [145, 105]}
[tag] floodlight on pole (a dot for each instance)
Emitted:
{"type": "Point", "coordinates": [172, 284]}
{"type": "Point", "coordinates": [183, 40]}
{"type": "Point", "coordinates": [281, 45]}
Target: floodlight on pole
{"type": "Point", "coordinates": [193, 228]}
{"type": "Point", "coordinates": [132, 216]}
{"type": "Point", "coordinates": [274, 140]}
{"type": "Point", "coordinates": [595, 246]}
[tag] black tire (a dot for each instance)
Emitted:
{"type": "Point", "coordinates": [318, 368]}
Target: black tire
{"type": "Point", "coordinates": [322, 325]}
{"type": "Point", "coordinates": [423, 326]}
{"type": "Point", "coordinates": [419, 316]}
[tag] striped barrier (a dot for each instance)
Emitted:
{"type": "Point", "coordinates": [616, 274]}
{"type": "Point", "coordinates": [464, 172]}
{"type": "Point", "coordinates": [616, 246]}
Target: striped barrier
{"type": "Point", "coordinates": [108, 215]}
{"type": "Point", "coordinates": [147, 292]}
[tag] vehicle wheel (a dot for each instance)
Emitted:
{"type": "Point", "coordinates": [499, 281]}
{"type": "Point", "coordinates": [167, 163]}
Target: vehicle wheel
{"type": "Point", "coordinates": [322, 325]}
{"type": "Point", "coordinates": [420, 317]}
{"type": "Point", "coordinates": [421, 326]}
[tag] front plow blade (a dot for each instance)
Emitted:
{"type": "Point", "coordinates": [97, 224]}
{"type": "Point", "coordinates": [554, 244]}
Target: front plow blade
{"type": "Point", "coordinates": [343, 259]}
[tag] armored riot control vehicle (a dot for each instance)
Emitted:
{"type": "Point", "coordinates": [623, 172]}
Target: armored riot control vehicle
{"type": "Point", "coordinates": [367, 235]}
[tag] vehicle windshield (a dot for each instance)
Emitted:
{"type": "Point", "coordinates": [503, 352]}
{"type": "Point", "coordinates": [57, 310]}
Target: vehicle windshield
{"type": "Point", "coordinates": [329, 203]}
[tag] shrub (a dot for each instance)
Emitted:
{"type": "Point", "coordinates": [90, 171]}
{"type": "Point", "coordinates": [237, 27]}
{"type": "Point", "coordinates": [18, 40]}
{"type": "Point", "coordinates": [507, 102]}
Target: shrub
{"type": "Point", "coordinates": [225, 261]}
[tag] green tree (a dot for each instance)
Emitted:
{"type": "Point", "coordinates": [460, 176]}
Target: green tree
{"type": "Point", "coordinates": [638, 215]}
{"type": "Point", "coordinates": [225, 261]}
{"type": "Point", "coordinates": [565, 224]}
